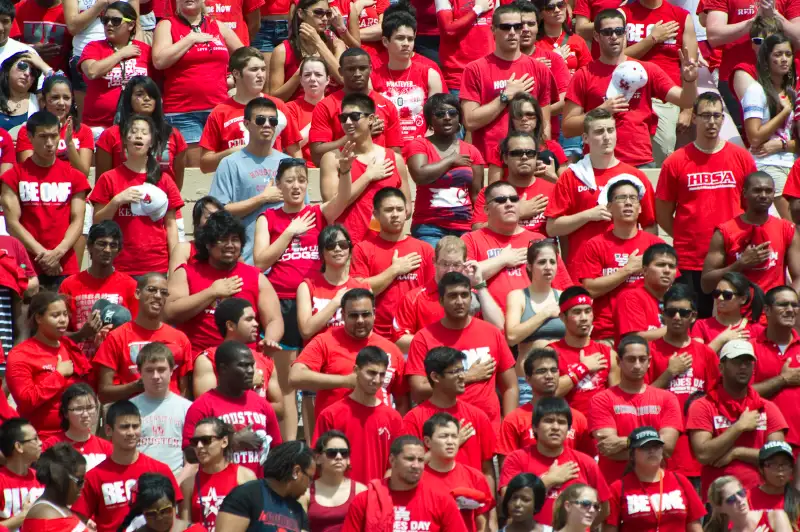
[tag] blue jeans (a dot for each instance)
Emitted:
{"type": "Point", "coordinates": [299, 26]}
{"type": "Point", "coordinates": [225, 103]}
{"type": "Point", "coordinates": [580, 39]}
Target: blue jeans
{"type": "Point", "coordinates": [190, 124]}
{"type": "Point", "coordinates": [525, 391]}
{"type": "Point", "coordinates": [432, 233]}
{"type": "Point", "coordinates": [572, 145]}
{"type": "Point", "coordinates": [271, 34]}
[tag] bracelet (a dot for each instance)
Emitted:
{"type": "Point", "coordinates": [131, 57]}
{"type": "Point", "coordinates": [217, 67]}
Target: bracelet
{"type": "Point", "coordinates": [577, 372]}
{"type": "Point", "coordinates": [343, 172]}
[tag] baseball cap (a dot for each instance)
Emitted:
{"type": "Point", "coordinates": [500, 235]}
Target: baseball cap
{"type": "Point", "coordinates": [641, 436]}
{"type": "Point", "coordinates": [627, 78]}
{"type": "Point", "coordinates": [772, 448]}
{"type": "Point", "coordinates": [154, 202]}
{"type": "Point", "coordinates": [736, 348]}
{"type": "Point", "coordinates": [111, 313]}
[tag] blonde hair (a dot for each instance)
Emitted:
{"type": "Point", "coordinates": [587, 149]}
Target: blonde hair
{"type": "Point", "coordinates": [560, 510]}
{"type": "Point", "coordinates": [718, 521]}
{"type": "Point", "coordinates": [450, 243]}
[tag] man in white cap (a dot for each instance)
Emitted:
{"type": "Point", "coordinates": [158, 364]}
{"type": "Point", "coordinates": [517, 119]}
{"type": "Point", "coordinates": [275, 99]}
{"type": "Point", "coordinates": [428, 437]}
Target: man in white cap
{"type": "Point", "coordinates": [626, 87]}
{"type": "Point", "coordinates": [732, 422]}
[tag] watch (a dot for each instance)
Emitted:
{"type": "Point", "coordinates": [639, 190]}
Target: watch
{"type": "Point", "coordinates": [504, 99]}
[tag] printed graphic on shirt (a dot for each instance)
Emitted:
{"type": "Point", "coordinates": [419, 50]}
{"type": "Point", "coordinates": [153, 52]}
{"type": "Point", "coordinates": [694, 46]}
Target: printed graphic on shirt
{"type": "Point", "coordinates": [15, 498]}
{"type": "Point", "coordinates": [686, 383]}
{"type": "Point", "coordinates": [515, 271]}
{"type": "Point", "coordinates": [49, 32]}
{"type": "Point", "coordinates": [36, 193]}
{"type": "Point", "coordinates": [638, 503]}
{"type": "Point", "coordinates": [211, 503]}
{"type": "Point", "coordinates": [403, 522]}
{"type": "Point", "coordinates": [409, 99]}
{"type": "Point", "coordinates": [637, 32]}
{"type": "Point", "coordinates": [711, 180]}
{"type": "Point", "coordinates": [118, 492]}
{"type": "Point", "coordinates": [243, 419]}
{"type": "Point", "coordinates": [721, 422]}
{"type": "Point", "coordinates": [320, 303]}
{"type": "Point", "coordinates": [295, 250]}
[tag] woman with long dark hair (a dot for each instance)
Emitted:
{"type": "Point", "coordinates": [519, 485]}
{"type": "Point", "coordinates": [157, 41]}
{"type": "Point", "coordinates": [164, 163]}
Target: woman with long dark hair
{"type": "Point", "coordinates": [738, 304]}
{"type": "Point", "coordinates": [309, 35]}
{"type": "Point", "coordinates": [150, 229]}
{"type": "Point", "coordinates": [155, 501]}
{"type": "Point", "coordinates": [18, 76]}
{"type": "Point", "coordinates": [576, 509]}
{"type": "Point", "coordinates": [731, 512]}
{"type": "Point", "coordinates": [61, 470]}
{"type": "Point", "coordinates": [524, 498]}
{"type": "Point", "coordinates": [776, 464]}
{"type": "Point", "coordinates": [184, 252]}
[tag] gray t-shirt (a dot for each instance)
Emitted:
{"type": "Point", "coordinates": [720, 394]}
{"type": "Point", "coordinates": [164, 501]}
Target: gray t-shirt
{"type": "Point", "coordinates": [162, 428]}
{"type": "Point", "coordinates": [241, 176]}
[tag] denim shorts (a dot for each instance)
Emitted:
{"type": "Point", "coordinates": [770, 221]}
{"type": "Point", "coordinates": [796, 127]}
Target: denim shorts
{"type": "Point", "coordinates": [75, 75]}
{"type": "Point", "coordinates": [271, 34]}
{"type": "Point", "coordinates": [571, 145]}
{"type": "Point", "coordinates": [432, 233]}
{"type": "Point", "coordinates": [190, 124]}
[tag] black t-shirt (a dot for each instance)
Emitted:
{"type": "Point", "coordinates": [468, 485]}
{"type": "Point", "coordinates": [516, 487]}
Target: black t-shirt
{"type": "Point", "coordinates": [266, 510]}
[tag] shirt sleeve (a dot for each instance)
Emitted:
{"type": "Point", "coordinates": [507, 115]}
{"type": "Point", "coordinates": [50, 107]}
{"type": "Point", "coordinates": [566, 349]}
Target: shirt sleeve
{"type": "Point", "coordinates": [595, 477]}
{"type": "Point", "coordinates": [601, 413]}
{"type": "Point", "coordinates": [474, 153]}
{"type": "Point", "coordinates": [695, 509]}
{"type": "Point", "coordinates": [23, 142]}
{"type": "Point", "coordinates": [243, 499]}
{"type": "Point", "coordinates": [87, 502]}
{"type": "Point", "coordinates": [488, 438]}
{"type": "Point", "coordinates": [415, 147]}
{"type": "Point", "coordinates": [313, 355]}
{"type": "Point", "coordinates": [508, 437]}
{"type": "Point", "coordinates": [613, 503]}
{"type": "Point", "coordinates": [471, 84]}
{"type": "Point", "coordinates": [222, 184]}
{"type": "Point", "coordinates": [193, 416]}
{"type": "Point", "coordinates": [671, 413]}
{"type": "Point", "coordinates": [359, 263]}
{"type": "Point", "coordinates": [356, 514]}
{"type": "Point", "coordinates": [576, 92]}
{"type": "Point", "coordinates": [648, 215]}
{"type": "Point", "coordinates": [321, 129]}
{"type": "Point", "coordinates": [558, 67]}
{"type": "Point", "coordinates": [410, 425]}
{"type": "Point", "coordinates": [103, 191]}
{"type": "Point", "coordinates": [174, 199]}
{"type": "Point", "coordinates": [505, 359]}
{"type": "Point", "coordinates": [106, 355]}
{"type": "Point", "coordinates": [211, 138]}
{"type": "Point", "coordinates": [446, 511]}
{"type": "Point", "coordinates": [394, 134]}
{"type": "Point", "coordinates": [404, 318]}
{"type": "Point", "coordinates": [106, 141]}
{"type": "Point", "coordinates": [251, 5]}
{"type": "Point", "coordinates": [29, 393]}
{"type": "Point", "coordinates": [415, 365]}
{"type": "Point", "coordinates": [588, 261]}
{"type": "Point", "coordinates": [700, 416]}
{"type": "Point", "coordinates": [629, 314]}
{"type": "Point", "coordinates": [478, 214]}
{"type": "Point", "coordinates": [93, 51]}
{"type": "Point", "coordinates": [85, 138]}
{"type": "Point", "coordinates": [660, 82]}
{"type": "Point", "coordinates": [667, 180]}
{"type": "Point", "coordinates": [560, 203]}
{"type": "Point", "coordinates": [512, 466]}
{"type": "Point", "coordinates": [582, 9]}
{"type": "Point", "coordinates": [775, 420]}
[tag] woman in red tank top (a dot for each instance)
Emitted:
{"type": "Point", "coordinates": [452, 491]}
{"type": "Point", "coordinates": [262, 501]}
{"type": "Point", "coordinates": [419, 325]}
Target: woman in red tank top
{"type": "Point", "coordinates": [730, 510]}
{"type": "Point", "coordinates": [60, 469]}
{"type": "Point", "coordinates": [738, 305]}
{"type": "Point", "coordinates": [185, 251]}
{"type": "Point", "coordinates": [216, 474]}
{"type": "Point", "coordinates": [328, 498]}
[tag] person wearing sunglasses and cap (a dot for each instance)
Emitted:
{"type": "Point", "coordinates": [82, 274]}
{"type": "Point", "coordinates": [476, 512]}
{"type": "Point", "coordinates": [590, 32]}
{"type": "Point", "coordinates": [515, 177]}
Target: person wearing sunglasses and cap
{"type": "Point", "coordinates": [776, 464]}
{"type": "Point", "coordinates": [364, 418]}
{"type": "Point", "coordinates": [732, 422]}
{"type": "Point", "coordinates": [648, 496]}
{"type": "Point", "coordinates": [731, 510]}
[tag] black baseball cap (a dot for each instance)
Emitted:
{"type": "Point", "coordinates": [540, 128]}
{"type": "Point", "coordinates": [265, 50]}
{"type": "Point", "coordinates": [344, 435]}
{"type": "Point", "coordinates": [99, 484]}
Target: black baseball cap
{"type": "Point", "coordinates": [772, 448]}
{"type": "Point", "coordinates": [641, 436]}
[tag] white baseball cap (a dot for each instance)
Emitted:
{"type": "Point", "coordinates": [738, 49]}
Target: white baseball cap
{"type": "Point", "coordinates": [627, 78]}
{"type": "Point", "coordinates": [736, 348]}
{"type": "Point", "coordinates": [154, 202]}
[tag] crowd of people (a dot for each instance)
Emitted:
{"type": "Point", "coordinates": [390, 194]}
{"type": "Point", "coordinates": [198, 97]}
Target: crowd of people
{"type": "Point", "coordinates": [551, 283]}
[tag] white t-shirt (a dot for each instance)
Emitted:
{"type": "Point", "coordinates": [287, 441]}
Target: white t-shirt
{"type": "Point", "coordinates": [754, 105]}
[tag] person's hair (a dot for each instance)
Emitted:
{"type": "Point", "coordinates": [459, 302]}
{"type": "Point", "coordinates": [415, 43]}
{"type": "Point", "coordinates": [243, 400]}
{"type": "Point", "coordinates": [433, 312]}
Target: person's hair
{"type": "Point", "coordinates": [221, 430]}
{"type": "Point", "coordinates": [79, 389]}
{"type": "Point", "coordinates": [150, 488]}
{"type": "Point", "coordinates": [123, 408]}
{"type": "Point", "coordinates": [526, 6]}
{"type": "Point", "coordinates": [385, 193]}
{"type": "Point", "coordinates": [230, 309]}
{"type": "Point", "coordinates": [515, 109]}
{"type": "Point", "coordinates": [54, 467]}
{"type": "Point", "coordinates": [718, 521]}
{"type": "Point", "coordinates": [517, 135]}
{"type": "Point", "coordinates": [219, 225]}
{"type": "Point", "coordinates": [621, 183]}
{"type": "Point", "coordinates": [743, 286]}
{"type": "Point", "coordinates": [597, 113]}
{"type": "Point", "coordinates": [144, 280]}
{"type": "Point", "coordinates": [11, 434]}
{"type": "Point", "coordinates": [631, 339]}
{"type": "Point", "coordinates": [287, 164]}
{"type": "Point", "coordinates": [547, 406]}
{"type": "Point", "coordinates": [503, 10]}
{"type": "Point", "coordinates": [571, 292]}
{"type": "Point", "coordinates": [680, 292]}
{"type": "Point", "coordinates": [37, 119]}
{"type": "Point", "coordinates": [520, 482]}
{"type": "Point", "coordinates": [565, 27]}
{"type": "Point", "coordinates": [439, 419]}
{"type": "Point", "coordinates": [450, 243]}
{"type": "Point", "coordinates": [5, 81]}
{"type": "Point", "coordinates": [560, 509]}
{"type": "Point", "coordinates": [7, 8]}
{"type": "Point", "coordinates": [436, 102]}
{"type": "Point", "coordinates": [200, 205]}
{"type": "Point", "coordinates": [488, 192]}
{"type": "Point", "coordinates": [353, 52]}
{"type": "Point", "coordinates": [356, 294]}
{"type": "Point", "coordinates": [537, 246]}
{"type": "Point", "coordinates": [765, 76]}
{"type": "Point", "coordinates": [258, 103]}
{"type": "Point", "coordinates": [400, 443]}
{"type": "Point", "coordinates": [402, 14]}
{"type": "Point", "coordinates": [537, 354]}
{"type": "Point", "coordinates": [372, 354]}
{"type": "Point", "coordinates": [39, 305]}
{"type": "Point", "coordinates": [313, 59]}
{"type": "Point", "coordinates": [105, 229]}
{"type": "Point", "coordinates": [282, 459]}
{"type": "Point", "coordinates": [294, 27]}
{"type": "Point", "coordinates": [362, 101]}
{"type": "Point", "coordinates": [607, 14]}
{"type": "Point", "coordinates": [764, 26]}
{"type": "Point", "coordinates": [707, 97]}
{"type": "Point", "coordinates": [58, 79]}
{"type": "Point", "coordinates": [656, 250]}
{"type": "Point", "coordinates": [452, 279]}
{"type": "Point", "coordinates": [155, 352]}
{"type": "Point", "coordinates": [326, 437]}
{"type": "Point", "coordinates": [127, 11]}
{"type": "Point", "coordinates": [156, 146]}
{"type": "Point", "coordinates": [126, 112]}
{"type": "Point", "coordinates": [329, 235]}
{"type": "Point", "coordinates": [242, 56]}
{"type": "Point", "coordinates": [772, 293]}
{"type": "Point", "coordinates": [758, 174]}
{"type": "Point", "coordinates": [438, 359]}
{"type": "Point", "coordinates": [228, 352]}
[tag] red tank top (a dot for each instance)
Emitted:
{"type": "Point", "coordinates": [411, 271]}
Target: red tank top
{"type": "Point", "coordinates": [764, 521]}
{"type": "Point", "coordinates": [209, 492]}
{"type": "Point", "coordinates": [322, 292]}
{"type": "Point", "coordinates": [290, 66]}
{"type": "Point", "coordinates": [327, 518]}
{"type": "Point", "coordinates": [60, 524]}
{"type": "Point", "coordinates": [201, 329]}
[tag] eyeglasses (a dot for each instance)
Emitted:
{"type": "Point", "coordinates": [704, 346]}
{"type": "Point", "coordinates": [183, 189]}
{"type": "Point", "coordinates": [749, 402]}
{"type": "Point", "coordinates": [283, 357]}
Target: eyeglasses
{"type": "Point", "coordinates": [35, 438]}
{"type": "Point", "coordinates": [757, 40]}
{"type": "Point", "coordinates": [341, 244]}
{"type": "Point", "coordinates": [588, 505]}
{"type": "Point", "coordinates": [708, 117]}
{"type": "Point", "coordinates": [320, 13]}
{"type": "Point", "coordinates": [334, 452]}
{"type": "Point", "coordinates": [205, 440]}
{"type": "Point", "coordinates": [500, 200]}
{"type": "Point", "coordinates": [449, 113]}
{"type": "Point", "coordinates": [160, 512]}
{"type": "Point", "coordinates": [354, 116]}
{"type": "Point", "coordinates": [672, 312]}
{"type": "Point", "coordinates": [777, 465]}
{"type": "Point", "coordinates": [518, 154]}
{"type": "Point", "coordinates": [623, 198]}
{"type": "Point", "coordinates": [153, 290]}
{"type": "Point", "coordinates": [260, 120]}
{"type": "Point", "coordinates": [78, 481]}
{"type": "Point", "coordinates": [727, 295]}
{"type": "Point", "coordinates": [508, 27]}
{"type": "Point", "coordinates": [82, 409]}
{"type": "Point", "coordinates": [557, 5]}
{"type": "Point", "coordinates": [608, 32]}
{"type": "Point", "coordinates": [741, 494]}
{"type": "Point", "coordinates": [115, 21]}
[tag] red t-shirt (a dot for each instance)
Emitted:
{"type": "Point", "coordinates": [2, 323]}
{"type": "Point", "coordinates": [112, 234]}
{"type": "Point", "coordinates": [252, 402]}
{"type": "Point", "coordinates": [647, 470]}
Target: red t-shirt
{"type": "Point", "coordinates": [419, 308]}
{"type": "Point", "coordinates": [707, 191]}
{"type": "Point", "coordinates": [370, 431]}
{"type": "Point", "coordinates": [760, 500]}
{"type": "Point", "coordinates": [636, 310]}
{"type": "Point", "coordinates": [640, 23]}
{"type": "Point", "coordinates": [615, 408]}
{"type": "Point", "coordinates": [479, 448]}
{"type": "Point", "coordinates": [671, 503]}
{"type": "Point", "coordinates": [516, 432]}
{"type": "Point", "coordinates": [45, 194]}
{"type": "Point", "coordinates": [15, 489]}
{"type": "Point", "coordinates": [369, 17]}
{"type": "Point", "coordinates": [225, 128]}
{"type": "Point", "coordinates": [374, 256]}
{"type": "Point", "coordinates": [580, 395]}
{"type": "Point", "coordinates": [121, 347]}
{"type": "Point", "coordinates": [462, 476]}
{"type": "Point", "coordinates": [636, 126]}
{"type": "Point", "coordinates": [34, 24]}
{"type": "Point", "coordinates": [530, 460]}
{"type": "Point", "coordinates": [144, 246]}
{"type": "Point", "coordinates": [407, 90]}
{"type": "Point", "coordinates": [707, 329]}
{"type": "Point", "coordinates": [104, 91]}
{"type": "Point", "coordinates": [94, 450]}
{"type": "Point", "coordinates": [325, 125]}
{"type": "Point", "coordinates": [465, 37]}
{"type": "Point", "coordinates": [247, 410]}
{"type": "Point", "coordinates": [579, 55]}
{"type": "Point", "coordinates": [7, 152]}
{"type": "Point", "coordinates": [792, 188]}
{"type": "Point", "coordinates": [590, 8]}
{"type": "Point", "coordinates": [445, 202]}
{"type": "Point", "coordinates": [536, 223]}
{"type": "Point", "coordinates": [298, 117]}
{"type": "Point", "coordinates": [484, 244]}
{"type": "Point", "coordinates": [301, 256]}
{"type": "Point", "coordinates": [334, 353]}
{"type": "Point", "coordinates": [496, 158]}
{"type": "Point", "coordinates": [107, 495]}
{"type": "Point", "coordinates": [110, 141]}
{"type": "Point", "coordinates": [484, 80]}
{"type": "Point", "coordinates": [603, 255]}
{"type": "Point", "coordinates": [572, 196]}
{"type": "Point", "coordinates": [561, 77]}
{"type": "Point", "coordinates": [770, 360]}
{"type": "Point", "coordinates": [701, 377]}
{"type": "Point", "coordinates": [264, 364]}
{"type": "Point", "coordinates": [35, 384]}
{"type": "Point", "coordinates": [737, 235]}
{"type": "Point", "coordinates": [322, 292]}
{"type": "Point", "coordinates": [232, 14]}
{"type": "Point", "coordinates": [478, 340]}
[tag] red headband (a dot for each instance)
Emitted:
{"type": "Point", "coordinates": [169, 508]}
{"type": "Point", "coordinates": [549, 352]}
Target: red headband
{"type": "Point", "coordinates": [580, 299]}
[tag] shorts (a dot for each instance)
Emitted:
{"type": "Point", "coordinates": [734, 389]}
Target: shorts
{"type": "Point", "coordinates": [779, 174]}
{"type": "Point", "coordinates": [291, 340]}
{"type": "Point", "coordinates": [75, 75]}
{"type": "Point", "coordinates": [190, 124]}
{"type": "Point", "coordinates": [87, 218]}
{"type": "Point", "coordinates": [525, 391]}
{"type": "Point", "coordinates": [572, 146]}
{"type": "Point", "coordinates": [271, 34]}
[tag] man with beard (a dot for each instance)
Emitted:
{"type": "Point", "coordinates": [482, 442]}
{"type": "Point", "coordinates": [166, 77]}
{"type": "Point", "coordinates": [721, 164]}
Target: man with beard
{"type": "Point", "coordinates": [616, 412]}
{"type": "Point", "coordinates": [756, 244]}
{"type": "Point", "coordinates": [402, 502]}
{"type": "Point", "coordinates": [732, 422]}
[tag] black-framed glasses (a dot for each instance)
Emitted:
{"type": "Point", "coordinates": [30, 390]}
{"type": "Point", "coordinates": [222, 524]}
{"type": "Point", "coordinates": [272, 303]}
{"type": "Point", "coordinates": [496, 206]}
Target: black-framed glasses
{"type": "Point", "coordinates": [320, 13]}
{"type": "Point", "coordinates": [260, 120]}
{"type": "Point", "coordinates": [557, 5]}
{"type": "Point", "coordinates": [115, 21]}
{"type": "Point", "coordinates": [626, 198]}
{"type": "Point", "coordinates": [757, 40]}
{"type": "Point", "coordinates": [500, 200]}
{"type": "Point", "coordinates": [35, 438]}
{"type": "Point", "coordinates": [727, 295]}
{"type": "Point", "coordinates": [741, 494]}
{"type": "Point", "coordinates": [341, 244]}
{"type": "Point", "coordinates": [441, 113]}
{"type": "Point", "coordinates": [78, 481]}
{"type": "Point", "coordinates": [672, 312]}
{"type": "Point", "coordinates": [82, 409]}
{"type": "Point", "coordinates": [205, 440]}
{"type": "Point", "coordinates": [506, 26]}
{"type": "Point", "coordinates": [518, 154]}
{"type": "Point", "coordinates": [530, 115]}
{"type": "Point", "coordinates": [353, 116]}
{"type": "Point", "coordinates": [333, 452]}
{"type": "Point", "coordinates": [708, 117]}
{"type": "Point", "coordinates": [455, 372]}
{"type": "Point", "coordinates": [608, 32]}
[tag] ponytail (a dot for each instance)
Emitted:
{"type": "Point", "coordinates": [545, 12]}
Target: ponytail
{"type": "Point", "coordinates": [791, 503]}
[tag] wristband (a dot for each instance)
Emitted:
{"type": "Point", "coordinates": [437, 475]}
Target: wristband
{"type": "Point", "coordinates": [577, 372]}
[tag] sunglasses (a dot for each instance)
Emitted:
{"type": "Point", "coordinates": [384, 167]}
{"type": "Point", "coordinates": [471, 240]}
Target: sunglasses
{"type": "Point", "coordinates": [78, 481]}
{"type": "Point", "coordinates": [588, 505]}
{"type": "Point", "coordinates": [334, 452]}
{"type": "Point", "coordinates": [205, 440]}
{"type": "Point", "coordinates": [608, 32]}
{"type": "Point", "coordinates": [260, 120]}
{"type": "Point", "coordinates": [557, 5]}
{"type": "Point", "coordinates": [341, 244]}
{"type": "Point", "coordinates": [354, 116]}
{"type": "Point", "coordinates": [508, 27]}
{"type": "Point", "coordinates": [757, 40]}
{"type": "Point", "coordinates": [23, 66]}
{"type": "Point", "coordinates": [530, 154]}
{"type": "Point", "coordinates": [160, 512]}
{"type": "Point", "coordinates": [319, 12]}
{"type": "Point", "coordinates": [727, 295]}
{"type": "Point", "coordinates": [741, 494]}
{"type": "Point", "coordinates": [672, 312]}
{"type": "Point", "coordinates": [115, 21]}
{"type": "Point", "coordinates": [500, 200]}
{"type": "Point", "coordinates": [528, 114]}
{"type": "Point", "coordinates": [450, 113]}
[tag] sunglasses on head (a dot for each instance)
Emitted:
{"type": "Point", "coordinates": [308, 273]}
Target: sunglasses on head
{"type": "Point", "coordinates": [333, 452]}
{"type": "Point", "coordinates": [353, 116]}
{"type": "Point", "coordinates": [588, 505]}
{"type": "Point", "coordinates": [504, 26]}
{"type": "Point", "coordinates": [319, 12]}
{"type": "Point", "coordinates": [341, 244]}
{"type": "Point", "coordinates": [260, 120]}
{"type": "Point", "coordinates": [557, 5]}
{"type": "Point", "coordinates": [500, 200]}
{"type": "Point", "coordinates": [205, 440]}
{"type": "Point", "coordinates": [159, 512]}
{"type": "Point", "coordinates": [450, 113]}
{"type": "Point", "coordinates": [530, 154]}
{"type": "Point", "coordinates": [608, 32]}
{"type": "Point", "coordinates": [672, 312]}
{"type": "Point", "coordinates": [115, 21]}
{"type": "Point", "coordinates": [727, 295]}
{"type": "Point", "coordinates": [741, 494]}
